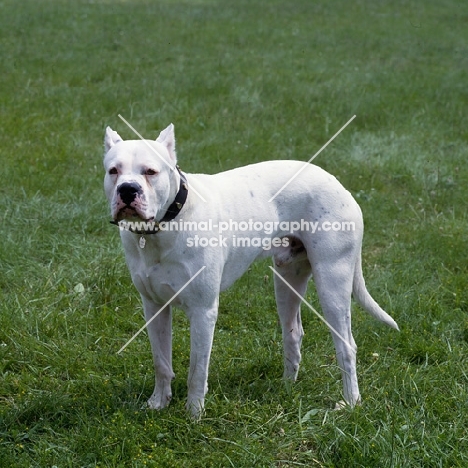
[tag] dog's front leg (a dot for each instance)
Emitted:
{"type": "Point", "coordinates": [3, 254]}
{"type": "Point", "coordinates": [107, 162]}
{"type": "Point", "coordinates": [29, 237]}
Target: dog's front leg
{"type": "Point", "coordinates": [202, 325]}
{"type": "Point", "coordinates": [160, 335]}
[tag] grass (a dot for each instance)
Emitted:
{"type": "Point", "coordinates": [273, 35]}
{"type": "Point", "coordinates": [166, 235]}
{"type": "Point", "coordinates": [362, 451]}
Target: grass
{"type": "Point", "coordinates": [242, 82]}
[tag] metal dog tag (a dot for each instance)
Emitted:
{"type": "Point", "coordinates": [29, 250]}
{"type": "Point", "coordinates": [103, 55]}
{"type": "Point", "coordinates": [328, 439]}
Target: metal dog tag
{"type": "Point", "coordinates": [142, 242]}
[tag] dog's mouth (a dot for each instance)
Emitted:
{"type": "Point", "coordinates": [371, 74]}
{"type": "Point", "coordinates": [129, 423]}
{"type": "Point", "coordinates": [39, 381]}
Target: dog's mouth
{"type": "Point", "coordinates": [127, 212]}
{"type": "Point", "coordinates": [136, 223]}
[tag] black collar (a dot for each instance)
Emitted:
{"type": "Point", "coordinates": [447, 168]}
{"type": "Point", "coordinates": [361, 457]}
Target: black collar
{"type": "Point", "coordinates": [171, 213]}
{"type": "Point", "coordinates": [179, 199]}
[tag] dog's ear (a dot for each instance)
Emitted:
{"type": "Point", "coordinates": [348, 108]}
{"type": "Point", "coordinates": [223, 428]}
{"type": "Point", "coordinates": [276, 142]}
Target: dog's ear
{"type": "Point", "coordinates": [167, 138]}
{"type": "Point", "coordinates": [111, 138]}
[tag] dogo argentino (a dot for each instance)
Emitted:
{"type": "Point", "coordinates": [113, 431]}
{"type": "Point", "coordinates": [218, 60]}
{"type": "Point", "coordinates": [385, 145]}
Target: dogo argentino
{"type": "Point", "coordinates": [144, 184]}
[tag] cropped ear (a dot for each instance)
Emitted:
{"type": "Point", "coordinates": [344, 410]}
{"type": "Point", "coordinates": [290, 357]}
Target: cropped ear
{"type": "Point", "coordinates": [111, 138]}
{"type": "Point", "coordinates": [167, 139]}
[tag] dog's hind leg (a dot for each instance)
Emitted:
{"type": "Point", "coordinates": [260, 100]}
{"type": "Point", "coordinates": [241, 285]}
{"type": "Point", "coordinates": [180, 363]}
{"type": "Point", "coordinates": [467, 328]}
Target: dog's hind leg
{"type": "Point", "coordinates": [334, 280]}
{"type": "Point", "coordinates": [296, 274]}
{"type": "Point", "coordinates": [160, 335]}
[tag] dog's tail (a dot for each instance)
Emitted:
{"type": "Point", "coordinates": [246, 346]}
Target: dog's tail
{"type": "Point", "coordinates": [365, 300]}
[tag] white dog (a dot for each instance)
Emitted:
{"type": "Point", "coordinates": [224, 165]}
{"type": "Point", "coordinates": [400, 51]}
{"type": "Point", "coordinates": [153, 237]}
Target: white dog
{"type": "Point", "coordinates": [298, 223]}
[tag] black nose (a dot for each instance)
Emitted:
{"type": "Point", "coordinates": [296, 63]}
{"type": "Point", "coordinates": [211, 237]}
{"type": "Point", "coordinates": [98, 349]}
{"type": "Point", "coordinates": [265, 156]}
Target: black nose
{"type": "Point", "coordinates": [128, 191]}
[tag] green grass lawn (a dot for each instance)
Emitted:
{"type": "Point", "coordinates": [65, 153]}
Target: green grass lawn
{"type": "Point", "coordinates": [243, 81]}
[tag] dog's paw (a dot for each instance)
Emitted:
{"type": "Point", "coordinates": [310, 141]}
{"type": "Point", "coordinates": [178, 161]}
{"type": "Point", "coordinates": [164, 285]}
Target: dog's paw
{"type": "Point", "coordinates": [195, 408]}
{"type": "Point", "coordinates": [343, 404]}
{"type": "Point", "coordinates": [159, 400]}
{"type": "Point", "coordinates": [290, 372]}
{"type": "Point", "coordinates": [340, 405]}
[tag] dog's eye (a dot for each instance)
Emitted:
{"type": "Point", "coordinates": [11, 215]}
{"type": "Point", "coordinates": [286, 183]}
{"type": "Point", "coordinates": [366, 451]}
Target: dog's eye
{"type": "Point", "coordinates": [150, 172]}
{"type": "Point", "coordinates": [113, 171]}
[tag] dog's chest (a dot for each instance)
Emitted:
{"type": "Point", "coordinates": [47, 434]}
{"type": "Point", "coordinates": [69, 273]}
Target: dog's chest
{"type": "Point", "coordinates": [156, 283]}
{"type": "Point", "coordinates": [153, 277]}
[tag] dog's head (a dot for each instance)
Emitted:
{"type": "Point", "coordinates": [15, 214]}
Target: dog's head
{"type": "Point", "coordinates": [139, 180]}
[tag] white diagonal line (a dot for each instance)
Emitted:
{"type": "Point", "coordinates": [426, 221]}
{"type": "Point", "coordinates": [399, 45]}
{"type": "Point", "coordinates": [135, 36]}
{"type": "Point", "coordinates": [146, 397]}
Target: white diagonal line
{"type": "Point", "coordinates": [134, 130]}
{"type": "Point", "coordinates": [313, 310]}
{"type": "Point", "coordinates": [312, 158]}
{"type": "Point", "coordinates": [161, 309]}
